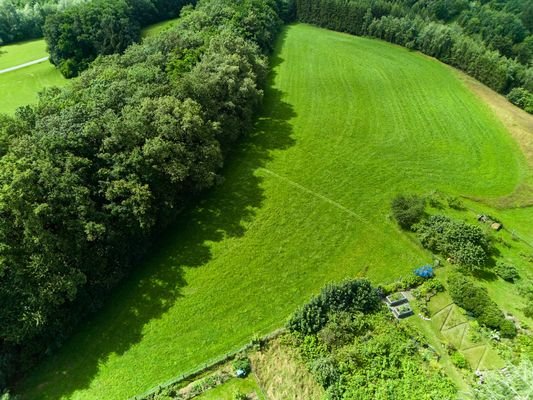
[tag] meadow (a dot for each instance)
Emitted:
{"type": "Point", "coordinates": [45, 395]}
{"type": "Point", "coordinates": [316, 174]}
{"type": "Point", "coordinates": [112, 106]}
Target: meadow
{"type": "Point", "coordinates": [347, 124]}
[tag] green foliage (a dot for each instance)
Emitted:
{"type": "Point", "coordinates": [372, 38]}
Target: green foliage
{"type": "Point", "coordinates": [508, 329]}
{"type": "Point", "coordinates": [464, 243]}
{"type": "Point", "coordinates": [351, 295]}
{"type": "Point", "coordinates": [93, 170]}
{"type": "Point", "coordinates": [459, 360]}
{"type": "Point", "coordinates": [483, 42]}
{"type": "Point", "coordinates": [408, 210]}
{"type": "Point", "coordinates": [383, 361]}
{"type": "Point", "coordinates": [238, 395]}
{"type": "Point", "coordinates": [506, 271]}
{"type": "Point", "coordinates": [325, 370]}
{"type": "Point", "coordinates": [404, 283]}
{"type": "Point", "coordinates": [242, 363]}
{"type": "Point", "coordinates": [515, 383]}
{"type": "Point", "coordinates": [474, 299]}
{"type": "Point", "coordinates": [522, 98]}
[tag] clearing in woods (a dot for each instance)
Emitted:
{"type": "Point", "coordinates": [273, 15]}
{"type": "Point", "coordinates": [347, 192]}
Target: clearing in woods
{"type": "Point", "coordinates": [347, 124]}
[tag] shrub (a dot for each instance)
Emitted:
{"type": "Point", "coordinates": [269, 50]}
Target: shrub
{"type": "Point", "coordinates": [522, 98]}
{"type": "Point", "coordinates": [408, 210]}
{"type": "Point", "coordinates": [475, 300]}
{"type": "Point", "coordinates": [508, 329]}
{"type": "Point", "coordinates": [466, 244]}
{"type": "Point", "coordinates": [342, 327]}
{"type": "Point", "coordinates": [238, 395]}
{"type": "Point", "coordinates": [326, 371]}
{"type": "Point", "coordinates": [506, 271]}
{"type": "Point", "coordinates": [459, 360]}
{"type": "Point", "coordinates": [404, 283]}
{"type": "Point", "coordinates": [351, 295]}
{"type": "Point", "coordinates": [242, 363]}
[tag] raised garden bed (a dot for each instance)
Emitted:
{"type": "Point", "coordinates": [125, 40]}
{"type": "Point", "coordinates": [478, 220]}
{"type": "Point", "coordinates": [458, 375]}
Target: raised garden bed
{"type": "Point", "coordinates": [402, 311]}
{"type": "Point", "coordinates": [396, 299]}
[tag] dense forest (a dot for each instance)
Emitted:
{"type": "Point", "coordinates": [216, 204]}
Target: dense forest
{"type": "Point", "coordinates": [492, 42]}
{"type": "Point", "coordinates": [93, 170]}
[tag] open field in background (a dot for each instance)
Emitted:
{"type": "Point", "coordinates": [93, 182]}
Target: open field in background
{"type": "Point", "coordinates": [155, 29]}
{"type": "Point", "coordinates": [20, 87]}
{"type": "Point", "coordinates": [23, 52]}
{"type": "Point", "coordinates": [347, 124]}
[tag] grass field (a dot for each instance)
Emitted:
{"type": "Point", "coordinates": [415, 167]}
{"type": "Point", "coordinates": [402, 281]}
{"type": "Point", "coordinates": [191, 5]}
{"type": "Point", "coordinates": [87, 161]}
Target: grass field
{"type": "Point", "coordinates": [23, 85]}
{"type": "Point", "coordinates": [347, 124]}
{"type": "Point", "coordinates": [20, 53]}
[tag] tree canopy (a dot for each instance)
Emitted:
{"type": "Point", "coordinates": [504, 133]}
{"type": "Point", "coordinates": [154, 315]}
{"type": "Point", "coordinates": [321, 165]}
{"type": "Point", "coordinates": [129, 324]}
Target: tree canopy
{"type": "Point", "coordinates": [89, 173]}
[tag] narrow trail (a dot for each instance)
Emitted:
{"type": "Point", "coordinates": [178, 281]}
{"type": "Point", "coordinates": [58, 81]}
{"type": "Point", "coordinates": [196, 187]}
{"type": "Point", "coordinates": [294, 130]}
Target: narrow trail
{"type": "Point", "coordinates": [40, 60]}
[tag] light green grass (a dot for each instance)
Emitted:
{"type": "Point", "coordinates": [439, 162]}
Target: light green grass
{"type": "Point", "coordinates": [156, 29]}
{"type": "Point", "coordinates": [20, 53]}
{"type": "Point", "coordinates": [21, 87]}
{"type": "Point", "coordinates": [348, 123]}
{"type": "Point", "coordinates": [228, 389]}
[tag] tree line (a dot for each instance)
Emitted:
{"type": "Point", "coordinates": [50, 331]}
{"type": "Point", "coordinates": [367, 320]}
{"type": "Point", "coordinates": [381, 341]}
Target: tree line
{"type": "Point", "coordinates": [93, 170]}
{"type": "Point", "coordinates": [396, 22]}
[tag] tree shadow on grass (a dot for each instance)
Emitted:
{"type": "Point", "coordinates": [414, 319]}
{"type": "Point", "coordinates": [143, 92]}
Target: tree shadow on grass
{"type": "Point", "coordinates": [157, 283]}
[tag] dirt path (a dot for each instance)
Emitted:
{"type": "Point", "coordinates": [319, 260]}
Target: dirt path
{"type": "Point", "coordinates": [40, 60]}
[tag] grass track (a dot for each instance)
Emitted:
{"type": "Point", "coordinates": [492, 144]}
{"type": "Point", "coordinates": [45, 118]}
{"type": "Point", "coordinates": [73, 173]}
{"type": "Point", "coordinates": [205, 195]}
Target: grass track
{"type": "Point", "coordinates": [347, 121]}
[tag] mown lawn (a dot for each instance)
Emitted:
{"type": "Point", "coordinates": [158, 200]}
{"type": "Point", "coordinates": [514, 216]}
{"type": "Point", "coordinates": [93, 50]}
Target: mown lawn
{"type": "Point", "coordinates": [23, 52]}
{"type": "Point", "coordinates": [347, 124]}
{"type": "Point", "coordinates": [21, 87]}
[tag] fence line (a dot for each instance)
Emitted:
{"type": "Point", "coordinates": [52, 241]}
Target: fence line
{"type": "Point", "coordinates": [213, 362]}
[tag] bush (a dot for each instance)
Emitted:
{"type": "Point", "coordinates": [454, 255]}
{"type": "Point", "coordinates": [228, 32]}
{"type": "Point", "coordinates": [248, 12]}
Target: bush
{"type": "Point", "coordinates": [408, 210]}
{"type": "Point", "coordinates": [459, 360]}
{"type": "Point", "coordinates": [351, 295]}
{"type": "Point", "coordinates": [238, 395]}
{"type": "Point", "coordinates": [242, 363]}
{"type": "Point", "coordinates": [404, 283]}
{"type": "Point", "coordinates": [475, 300]}
{"type": "Point", "coordinates": [506, 271]}
{"type": "Point", "coordinates": [508, 329]}
{"type": "Point", "coordinates": [466, 244]}
{"type": "Point", "coordinates": [326, 371]}
{"type": "Point", "coordinates": [522, 98]}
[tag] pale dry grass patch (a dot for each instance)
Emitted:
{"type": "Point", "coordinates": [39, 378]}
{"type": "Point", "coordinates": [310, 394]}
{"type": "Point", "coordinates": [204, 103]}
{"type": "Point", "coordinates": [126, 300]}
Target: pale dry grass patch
{"type": "Point", "coordinates": [283, 375]}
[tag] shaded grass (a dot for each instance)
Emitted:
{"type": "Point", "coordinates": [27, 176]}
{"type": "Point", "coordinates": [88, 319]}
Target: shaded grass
{"type": "Point", "coordinates": [347, 124]}
{"type": "Point", "coordinates": [156, 29]}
